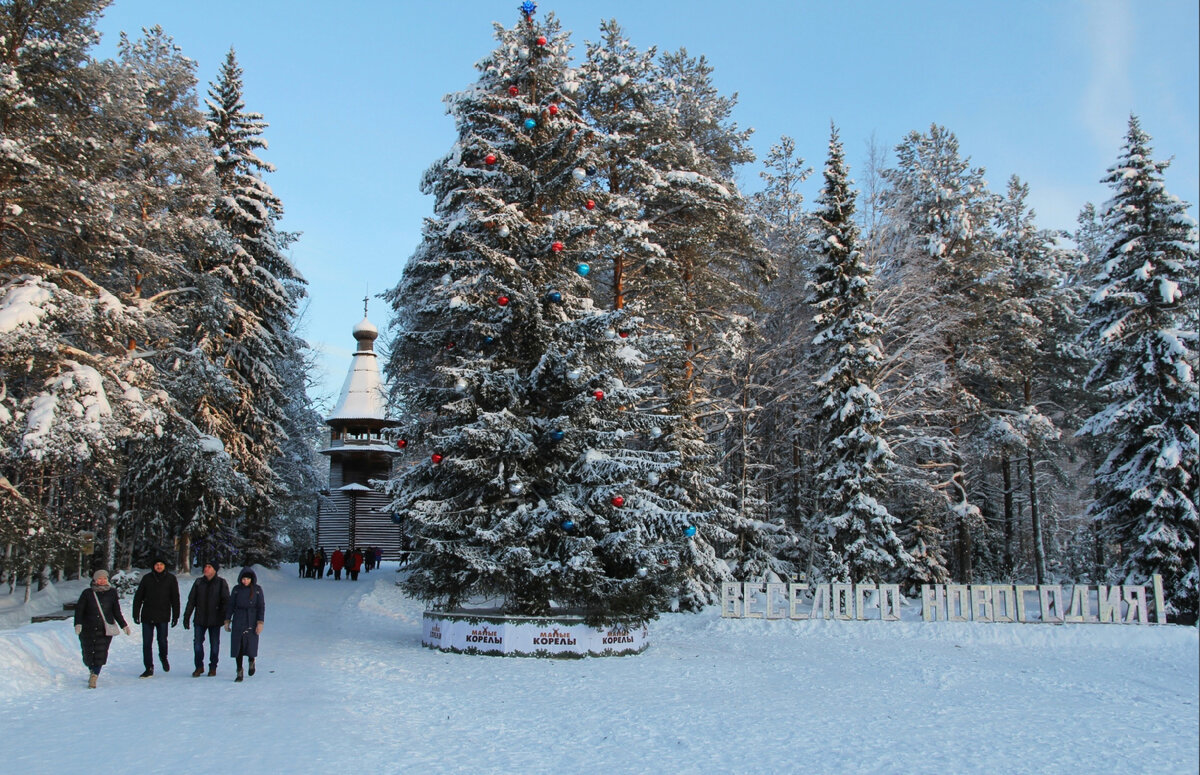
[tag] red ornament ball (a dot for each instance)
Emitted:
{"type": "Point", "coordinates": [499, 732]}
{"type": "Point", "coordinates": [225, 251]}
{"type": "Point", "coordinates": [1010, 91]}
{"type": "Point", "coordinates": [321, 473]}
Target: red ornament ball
{"type": "Point", "coordinates": [599, 394]}
{"type": "Point", "coordinates": [490, 159]}
{"type": "Point", "coordinates": [618, 501]}
{"type": "Point", "coordinates": [556, 247]}
{"type": "Point", "coordinates": [591, 204]}
{"type": "Point", "coordinates": [401, 443]}
{"type": "Point", "coordinates": [513, 90]}
{"type": "Point", "coordinates": [553, 110]}
{"type": "Point", "coordinates": [502, 301]}
{"type": "Point", "coordinates": [624, 334]}
{"type": "Point", "coordinates": [436, 458]}
{"type": "Point", "coordinates": [541, 41]}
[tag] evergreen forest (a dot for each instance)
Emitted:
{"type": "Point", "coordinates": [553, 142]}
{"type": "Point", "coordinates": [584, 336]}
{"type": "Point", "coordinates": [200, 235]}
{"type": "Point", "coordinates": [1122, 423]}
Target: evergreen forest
{"type": "Point", "coordinates": [619, 379]}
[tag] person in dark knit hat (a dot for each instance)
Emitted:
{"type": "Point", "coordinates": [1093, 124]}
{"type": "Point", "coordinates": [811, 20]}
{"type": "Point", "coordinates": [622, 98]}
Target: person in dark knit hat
{"type": "Point", "coordinates": [245, 619]}
{"type": "Point", "coordinates": [155, 603]}
{"type": "Point", "coordinates": [97, 604]}
{"type": "Point", "coordinates": [207, 600]}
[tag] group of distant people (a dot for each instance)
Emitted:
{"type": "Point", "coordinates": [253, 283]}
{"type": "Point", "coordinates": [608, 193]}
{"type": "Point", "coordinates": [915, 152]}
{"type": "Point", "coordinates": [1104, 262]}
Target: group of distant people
{"type": "Point", "coordinates": [210, 605]}
{"type": "Point", "coordinates": [312, 564]}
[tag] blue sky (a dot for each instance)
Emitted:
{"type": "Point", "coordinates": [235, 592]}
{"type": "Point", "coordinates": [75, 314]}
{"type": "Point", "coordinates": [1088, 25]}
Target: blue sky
{"type": "Point", "coordinates": [353, 94]}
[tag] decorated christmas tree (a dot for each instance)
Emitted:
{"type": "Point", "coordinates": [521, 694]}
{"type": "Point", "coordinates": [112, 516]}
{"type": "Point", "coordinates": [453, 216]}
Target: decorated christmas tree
{"type": "Point", "coordinates": [538, 488]}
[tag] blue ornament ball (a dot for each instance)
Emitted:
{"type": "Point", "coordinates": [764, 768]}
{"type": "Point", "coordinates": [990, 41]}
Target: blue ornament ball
{"type": "Point", "coordinates": [530, 123]}
{"type": "Point", "coordinates": [689, 531]}
{"type": "Point", "coordinates": [583, 270]}
{"type": "Point", "coordinates": [557, 434]}
{"type": "Point", "coordinates": [554, 297]}
{"type": "Point", "coordinates": [568, 525]}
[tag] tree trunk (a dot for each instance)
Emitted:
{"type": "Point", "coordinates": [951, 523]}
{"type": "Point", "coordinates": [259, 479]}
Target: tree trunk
{"type": "Point", "coordinates": [1039, 548]}
{"type": "Point", "coordinates": [964, 548]}
{"type": "Point", "coordinates": [1010, 523]}
{"type": "Point", "coordinates": [184, 555]}
{"type": "Point", "coordinates": [1098, 574]}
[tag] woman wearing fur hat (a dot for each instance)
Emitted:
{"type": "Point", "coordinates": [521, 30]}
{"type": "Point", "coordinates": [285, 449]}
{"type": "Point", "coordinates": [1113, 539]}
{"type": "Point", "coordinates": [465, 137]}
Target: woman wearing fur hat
{"type": "Point", "coordinates": [97, 605]}
{"type": "Point", "coordinates": [245, 619]}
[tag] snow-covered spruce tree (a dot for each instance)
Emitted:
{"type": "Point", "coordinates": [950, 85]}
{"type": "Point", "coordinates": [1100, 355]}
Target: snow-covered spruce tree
{"type": "Point", "coordinates": [301, 470]}
{"type": "Point", "coordinates": [539, 490]}
{"type": "Point", "coordinates": [853, 458]}
{"type": "Point", "coordinates": [934, 287]}
{"type": "Point", "coordinates": [1145, 362]}
{"type": "Point", "coordinates": [263, 289]}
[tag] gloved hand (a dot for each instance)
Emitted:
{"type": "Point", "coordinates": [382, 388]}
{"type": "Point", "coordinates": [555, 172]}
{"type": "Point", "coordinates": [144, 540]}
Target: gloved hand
{"type": "Point", "coordinates": [78, 629]}
{"type": "Point", "coordinates": [137, 620]}
{"type": "Point", "coordinates": [127, 630]}
{"type": "Point", "coordinates": [258, 628]}
{"type": "Point", "coordinates": [187, 625]}
{"type": "Point", "coordinates": [175, 621]}
{"type": "Point", "coordinates": [227, 627]}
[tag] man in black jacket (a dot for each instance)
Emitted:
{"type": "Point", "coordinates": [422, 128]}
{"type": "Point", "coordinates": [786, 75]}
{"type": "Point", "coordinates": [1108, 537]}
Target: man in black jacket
{"type": "Point", "coordinates": [155, 603]}
{"type": "Point", "coordinates": [208, 600]}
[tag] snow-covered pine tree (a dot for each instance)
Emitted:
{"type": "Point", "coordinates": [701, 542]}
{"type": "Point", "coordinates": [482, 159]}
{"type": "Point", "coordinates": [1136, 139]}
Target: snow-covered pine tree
{"type": "Point", "coordinates": [1145, 361]}
{"type": "Point", "coordinates": [680, 230]}
{"type": "Point", "coordinates": [71, 395]}
{"type": "Point", "coordinates": [1035, 365]}
{"type": "Point", "coordinates": [786, 427]}
{"type": "Point", "coordinates": [540, 490]}
{"type": "Point", "coordinates": [934, 287]}
{"type": "Point", "coordinates": [263, 288]}
{"type": "Point", "coordinates": [617, 97]}
{"type": "Point", "coordinates": [859, 533]}
{"type": "Point", "coordinates": [715, 267]}
{"type": "Point", "coordinates": [165, 187]}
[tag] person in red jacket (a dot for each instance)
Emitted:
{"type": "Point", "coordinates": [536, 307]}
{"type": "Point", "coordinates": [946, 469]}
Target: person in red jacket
{"type": "Point", "coordinates": [355, 564]}
{"type": "Point", "coordinates": [336, 562]}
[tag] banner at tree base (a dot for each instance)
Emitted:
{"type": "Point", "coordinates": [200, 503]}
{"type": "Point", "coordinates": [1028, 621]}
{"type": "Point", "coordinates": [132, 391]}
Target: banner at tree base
{"type": "Point", "coordinates": [1044, 603]}
{"type": "Point", "coordinates": [559, 637]}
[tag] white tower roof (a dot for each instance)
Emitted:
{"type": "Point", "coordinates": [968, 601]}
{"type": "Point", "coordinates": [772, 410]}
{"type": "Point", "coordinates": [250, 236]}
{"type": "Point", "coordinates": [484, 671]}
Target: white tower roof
{"type": "Point", "coordinates": [362, 396]}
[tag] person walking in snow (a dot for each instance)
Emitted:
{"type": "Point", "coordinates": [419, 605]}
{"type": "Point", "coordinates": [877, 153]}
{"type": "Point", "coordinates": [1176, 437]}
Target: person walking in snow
{"type": "Point", "coordinates": [207, 600]}
{"type": "Point", "coordinates": [244, 618]}
{"type": "Point", "coordinates": [319, 562]}
{"type": "Point", "coordinates": [98, 605]}
{"type": "Point", "coordinates": [378, 557]}
{"type": "Point", "coordinates": [155, 603]}
{"type": "Point", "coordinates": [308, 563]}
{"type": "Point", "coordinates": [354, 564]}
{"type": "Point", "coordinates": [336, 562]}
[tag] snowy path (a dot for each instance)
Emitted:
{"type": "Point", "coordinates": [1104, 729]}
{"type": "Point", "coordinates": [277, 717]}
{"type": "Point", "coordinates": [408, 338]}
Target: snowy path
{"type": "Point", "coordinates": [343, 682]}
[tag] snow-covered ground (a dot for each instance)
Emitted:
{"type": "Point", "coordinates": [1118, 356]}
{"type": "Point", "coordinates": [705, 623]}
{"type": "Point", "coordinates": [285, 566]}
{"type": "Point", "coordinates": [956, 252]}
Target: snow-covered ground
{"type": "Point", "coordinates": [345, 686]}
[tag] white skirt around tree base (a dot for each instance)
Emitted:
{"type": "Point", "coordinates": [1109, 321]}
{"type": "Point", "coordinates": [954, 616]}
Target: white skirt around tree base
{"type": "Point", "coordinates": [552, 637]}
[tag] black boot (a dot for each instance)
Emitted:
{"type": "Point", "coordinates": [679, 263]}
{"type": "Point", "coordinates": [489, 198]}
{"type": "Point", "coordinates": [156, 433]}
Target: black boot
{"type": "Point", "coordinates": [238, 680]}
{"type": "Point", "coordinates": [166, 665]}
{"type": "Point", "coordinates": [251, 666]}
{"type": "Point", "coordinates": [147, 673]}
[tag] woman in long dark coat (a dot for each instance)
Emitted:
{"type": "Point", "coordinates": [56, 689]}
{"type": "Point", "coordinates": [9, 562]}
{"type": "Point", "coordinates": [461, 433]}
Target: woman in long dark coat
{"type": "Point", "coordinates": [245, 619]}
{"type": "Point", "coordinates": [96, 604]}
